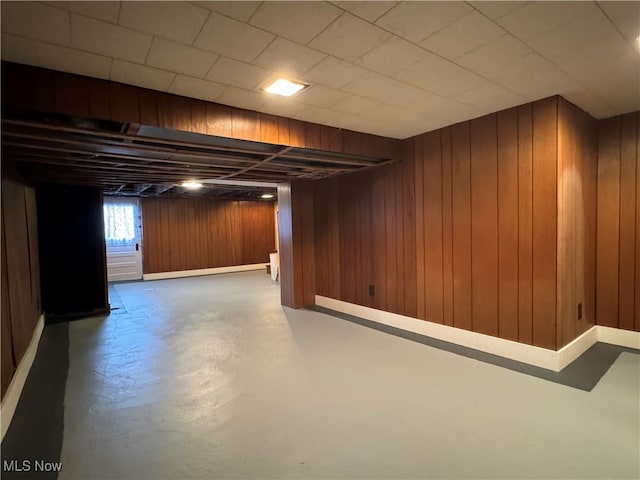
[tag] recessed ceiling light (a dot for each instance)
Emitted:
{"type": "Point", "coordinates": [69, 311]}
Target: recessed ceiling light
{"type": "Point", "coordinates": [285, 88]}
{"type": "Point", "coordinates": [267, 195]}
{"type": "Point", "coordinates": [191, 185]}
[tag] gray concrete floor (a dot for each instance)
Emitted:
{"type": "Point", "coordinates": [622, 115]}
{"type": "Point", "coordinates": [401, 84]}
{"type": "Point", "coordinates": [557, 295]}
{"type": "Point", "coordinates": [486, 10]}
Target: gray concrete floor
{"type": "Point", "coordinates": [210, 377]}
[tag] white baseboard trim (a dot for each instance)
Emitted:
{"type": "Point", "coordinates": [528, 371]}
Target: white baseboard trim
{"type": "Point", "coordinates": [12, 395]}
{"type": "Point", "coordinates": [617, 336]}
{"type": "Point", "coordinates": [204, 271]}
{"type": "Point", "coordinates": [520, 352]}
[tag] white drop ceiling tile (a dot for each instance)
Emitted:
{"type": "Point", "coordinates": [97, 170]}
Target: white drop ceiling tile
{"type": "Point", "coordinates": [179, 58]}
{"type": "Point", "coordinates": [575, 35]}
{"type": "Point", "coordinates": [283, 107]}
{"type": "Point", "coordinates": [334, 73]}
{"type": "Point", "coordinates": [611, 55]}
{"type": "Point", "coordinates": [462, 36]}
{"type": "Point", "coordinates": [417, 20]}
{"type": "Point", "coordinates": [18, 50]}
{"type": "Point", "coordinates": [232, 38]}
{"type": "Point", "coordinates": [240, 10]}
{"type": "Point", "coordinates": [107, 39]}
{"type": "Point", "coordinates": [321, 96]}
{"type": "Point", "coordinates": [439, 76]}
{"type": "Point", "coordinates": [497, 9]}
{"type": "Point", "coordinates": [391, 56]}
{"type": "Point", "coordinates": [369, 11]}
{"type": "Point", "coordinates": [73, 61]}
{"type": "Point", "coordinates": [36, 21]}
{"type": "Point", "coordinates": [141, 75]}
{"type": "Point", "coordinates": [238, 74]}
{"type": "Point", "coordinates": [238, 97]}
{"type": "Point", "coordinates": [107, 11]}
{"type": "Point", "coordinates": [491, 97]}
{"type": "Point", "coordinates": [625, 16]}
{"type": "Point", "coordinates": [196, 88]}
{"type": "Point", "coordinates": [358, 106]}
{"type": "Point", "coordinates": [297, 21]}
{"type": "Point", "coordinates": [589, 101]}
{"type": "Point", "coordinates": [539, 17]}
{"type": "Point", "coordinates": [389, 91]}
{"type": "Point", "coordinates": [177, 21]}
{"type": "Point", "coordinates": [288, 58]}
{"type": "Point", "coordinates": [492, 56]}
{"type": "Point", "coordinates": [349, 37]}
{"type": "Point", "coordinates": [547, 80]}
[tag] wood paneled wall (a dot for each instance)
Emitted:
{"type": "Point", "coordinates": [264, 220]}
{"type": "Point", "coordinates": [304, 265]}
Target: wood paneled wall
{"type": "Point", "coordinates": [577, 171]}
{"type": "Point", "coordinates": [296, 238]}
{"type": "Point", "coordinates": [462, 232]}
{"type": "Point", "coordinates": [618, 227]}
{"type": "Point", "coordinates": [21, 306]}
{"type": "Point", "coordinates": [37, 89]}
{"type": "Point", "coordinates": [188, 234]}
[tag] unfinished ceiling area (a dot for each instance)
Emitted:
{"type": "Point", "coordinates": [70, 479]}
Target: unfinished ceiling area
{"type": "Point", "coordinates": [132, 159]}
{"type": "Point", "coordinates": [394, 69]}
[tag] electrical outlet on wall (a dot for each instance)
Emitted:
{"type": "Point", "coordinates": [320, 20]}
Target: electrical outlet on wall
{"type": "Point", "coordinates": [580, 311]}
{"type": "Point", "coordinates": [372, 290]}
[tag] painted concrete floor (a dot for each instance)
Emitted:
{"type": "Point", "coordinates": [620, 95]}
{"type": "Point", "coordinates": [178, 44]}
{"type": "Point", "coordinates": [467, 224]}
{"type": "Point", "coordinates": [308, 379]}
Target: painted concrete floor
{"type": "Point", "coordinates": [209, 377]}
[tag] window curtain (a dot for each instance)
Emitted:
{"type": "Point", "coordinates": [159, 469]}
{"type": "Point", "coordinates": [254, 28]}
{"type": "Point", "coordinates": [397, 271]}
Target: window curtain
{"type": "Point", "coordinates": [120, 223]}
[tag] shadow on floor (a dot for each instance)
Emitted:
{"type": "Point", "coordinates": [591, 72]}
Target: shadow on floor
{"type": "Point", "coordinates": [584, 373]}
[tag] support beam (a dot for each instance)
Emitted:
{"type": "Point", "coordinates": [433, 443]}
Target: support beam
{"type": "Point", "coordinates": [296, 239]}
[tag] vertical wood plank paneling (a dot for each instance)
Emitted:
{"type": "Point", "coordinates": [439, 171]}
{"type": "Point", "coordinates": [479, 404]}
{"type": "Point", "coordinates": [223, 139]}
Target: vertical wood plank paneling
{"type": "Point", "coordinates": [608, 244]}
{"type": "Point", "coordinates": [269, 128]}
{"type": "Point", "coordinates": [348, 228]}
{"type": "Point", "coordinates": [420, 250]}
{"type": "Point", "coordinates": [187, 234]}
{"type": "Point", "coordinates": [98, 91]}
{"type": "Point", "coordinates": [484, 222]}
{"type": "Point", "coordinates": [366, 246]}
{"type": "Point", "coordinates": [321, 216]}
{"type": "Point", "coordinates": [627, 275]}
{"type": "Point", "coordinates": [391, 241]}
{"type": "Point", "coordinates": [379, 241]}
{"type": "Point", "coordinates": [312, 136]}
{"type": "Point", "coordinates": [409, 207]}
{"type": "Point", "coordinates": [198, 116]}
{"type": "Point", "coordinates": [148, 108]}
{"type": "Point", "coordinates": [400, 246]}
{"type": "Point", "coordinates": [8, 364]}
{"type": "Point", "coordinates": [544, 167]}
{"type": "Point", "coordinates": [283, 131]}
{"type": "Point", "coordinates": [219, 120]}
{"type": "Point", "coordinates": [461, 202]}
{"type": "Point", "coordinates": [637, 279]}
{"type": "Point", "coordinates": [447, 229]}
{"type": "Point", "coordinates": [508, 224]}
{"type": "Point", "coordinates": [71, 94]}
{"type": "Point", "coordinates": [296, 133]}
{"type": "Point", "coordinates": [123, 103]}
{"type": "Point", "coordinates": [335, 254]}
{"type": "Point", "coordinates": [432, 157]}
{"type": "Point", "coordinates": [525, 224]}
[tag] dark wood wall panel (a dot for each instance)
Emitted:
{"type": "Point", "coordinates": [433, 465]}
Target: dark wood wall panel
{"type": "Point", "coordinates": [21, 300]}
{"type": "Point", "coordinates": [480, 201]}
{"type": "Point", "coordinates": [618, 265]}
{"type": "Point", "coordinates": [84, 96]}
{"type": "Point", "coordinates": [507, 131]}
{"type": "Point", "coordinates": [544, 173]}
{"type": "Point", "coordinates": [296, 236]}
{"type": "Point", "coordinates": [525, 224]}
{"type": "Point", "coordinates": [461, 208]}
{"type": "Point", "coordinates": [576, 219]}
{"type": "Point", "coordinates": [189, 234]}
{"type": "Point", "coordinates": [484, 225]}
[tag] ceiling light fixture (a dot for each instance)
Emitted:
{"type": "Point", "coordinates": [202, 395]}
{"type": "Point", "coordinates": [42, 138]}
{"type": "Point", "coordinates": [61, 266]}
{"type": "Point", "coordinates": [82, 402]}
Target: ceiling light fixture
{"type": "Point", "coordinates": [285, 88]}
{"type": "Point", "coordinates": [267, 195]}
{"type": "Point", "coordinates": [192, 185]}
